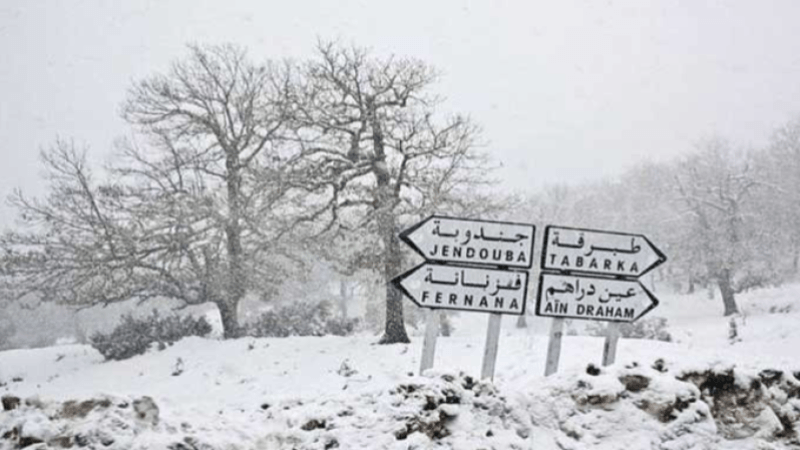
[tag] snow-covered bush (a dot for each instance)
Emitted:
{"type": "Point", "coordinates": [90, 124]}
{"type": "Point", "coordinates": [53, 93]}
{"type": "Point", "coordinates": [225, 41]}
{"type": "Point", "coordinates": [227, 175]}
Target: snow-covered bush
{"type": "Point", "coordinates": [133, 336]}
{"type": "Point", "coordinates": [300, 319]}
{"type": "Point", "coordinates": [654, 328]}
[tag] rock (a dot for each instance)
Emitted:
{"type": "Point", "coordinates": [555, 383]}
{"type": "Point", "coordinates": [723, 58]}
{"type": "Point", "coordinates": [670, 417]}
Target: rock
{"type": "Point", "coordinates": [770, 376]}
{"type": "Point", "coordinates": [10, 402]}
{"type": "Point", "coordinates": [635, 383]}
{"type": "Point", "coordinates": [313, 424]}
{"type": "Point", "coordinates": [82, 440]}
{"type": "Point", "coordinates": [346, 370]}
{"type": "Point", "coordinates": [769, 425]}
{"type": "Point", "coordinates": [146, 410]}
{"type": "Point", "coordinates": [593, 370]}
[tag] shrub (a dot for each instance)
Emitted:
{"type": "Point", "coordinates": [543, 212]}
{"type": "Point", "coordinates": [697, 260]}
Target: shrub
{"type": "Point", "coordinates": [654, 328]}
{"type": "Point", "coordinates": [133, 336]}
{"type": "Point", "coordinates": [301, 319]}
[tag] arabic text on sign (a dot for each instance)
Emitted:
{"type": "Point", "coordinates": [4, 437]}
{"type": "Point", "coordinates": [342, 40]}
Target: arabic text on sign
{"type": "Point", "coordinates": [476, 289]}
{"type": "Point", "coordinates": [477, 242]}
{"type": "Point", "coordinates": [598, 252]}
{"type": "Point", "coordinates": [466, 237]}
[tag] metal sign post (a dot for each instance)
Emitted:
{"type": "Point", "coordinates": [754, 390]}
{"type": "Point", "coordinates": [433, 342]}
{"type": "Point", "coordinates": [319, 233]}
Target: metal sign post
{"type": "Point", "coordinates": [554, 346]}
{"type": "Point", "coordinates": [429, 344]}
{"type": "Point", "coordinates": [492, 341]}
{"type": "Point", "coordinates": [470, 265]}
{"type": "Point", "coordinates": [610, 344]}
{"type": "Point", "coordinates": [593, 275]}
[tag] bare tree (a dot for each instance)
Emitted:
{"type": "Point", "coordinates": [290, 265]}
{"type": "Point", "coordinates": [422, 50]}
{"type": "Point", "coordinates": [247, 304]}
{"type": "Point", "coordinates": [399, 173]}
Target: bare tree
{"type": "Point", "coordinates": [216, 120]}
{"type": "Point", "coordinates": [72, 244]}
{"type": "Point", "coordinates": [375, 154]}
{"type": "Point", "coordinates": [191, 212]}
{"type": "Point", "coordinates": [716, 188]}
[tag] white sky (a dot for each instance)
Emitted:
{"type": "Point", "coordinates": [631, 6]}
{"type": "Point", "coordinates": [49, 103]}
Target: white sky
{"type": "Point", "coordinates": [565, 91]}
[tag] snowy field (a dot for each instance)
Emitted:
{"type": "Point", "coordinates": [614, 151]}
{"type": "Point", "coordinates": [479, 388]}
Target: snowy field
{"type": "Point", "coordinates": [711, 392]}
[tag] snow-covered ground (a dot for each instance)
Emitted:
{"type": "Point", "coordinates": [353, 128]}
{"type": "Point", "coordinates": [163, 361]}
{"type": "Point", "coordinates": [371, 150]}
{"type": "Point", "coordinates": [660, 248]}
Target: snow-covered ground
{"type": "Point", "coordinates": [347, 392]}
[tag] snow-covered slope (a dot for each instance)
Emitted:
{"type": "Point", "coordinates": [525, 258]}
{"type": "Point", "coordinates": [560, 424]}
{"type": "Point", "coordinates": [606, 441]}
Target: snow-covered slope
{"type": "Point", "coordinates": [333, 392]}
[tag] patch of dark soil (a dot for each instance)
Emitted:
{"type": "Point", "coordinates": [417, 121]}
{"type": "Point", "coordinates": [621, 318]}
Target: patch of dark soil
{"type": "Point", "coordinates": [434, 426]}
{"type": "Point", "coordinates": [736, 408]}
{"type": "Point", "coordinates": [27, 441]}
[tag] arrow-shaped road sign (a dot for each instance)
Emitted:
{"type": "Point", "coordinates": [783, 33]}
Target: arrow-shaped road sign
{"type": "Point", "coordinates": [481, 242]}
{"type": "Point", "coordinates": [574, 250]}
{"type": "Point", "coordinates": [593, 298]}
{"type": "Point", "coordinates": [465, 288]}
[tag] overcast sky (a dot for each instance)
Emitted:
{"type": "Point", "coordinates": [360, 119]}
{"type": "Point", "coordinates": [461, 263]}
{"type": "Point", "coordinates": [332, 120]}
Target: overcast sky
{"type": "Point", "coordinates": [565, 91]}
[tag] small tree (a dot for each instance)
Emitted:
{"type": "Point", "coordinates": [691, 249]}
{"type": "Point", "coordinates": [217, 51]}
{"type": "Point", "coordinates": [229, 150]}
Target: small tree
{"type": "Point", "coordinates": [715, 187]}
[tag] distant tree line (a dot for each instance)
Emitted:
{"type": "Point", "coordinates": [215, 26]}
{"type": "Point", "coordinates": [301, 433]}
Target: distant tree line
{"type": "Point", "coordinates": [727, 218]}
{"type": "Point", "coordinates": [238, 175]}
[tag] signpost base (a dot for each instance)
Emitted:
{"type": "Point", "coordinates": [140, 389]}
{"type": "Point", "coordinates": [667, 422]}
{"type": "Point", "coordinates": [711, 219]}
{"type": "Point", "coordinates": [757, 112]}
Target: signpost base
{"type": "Point", "coordinates": [492, 340]}
{"type": "Point", "coordinates": [610, 345]}
{"type": "Point", "coordinates": [429, 344]}
{"type": "Point", "coordinates": [554, 346]}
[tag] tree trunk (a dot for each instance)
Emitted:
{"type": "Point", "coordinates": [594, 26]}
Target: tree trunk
{"type": "Point", "coordinates": [343, 298]}
{"type": "Point", "coordinates": [228, 316]}
{"type": "Point", "coordinates": [445, 327]}
{"type": "Point", "coordinates": [726, 291]}
{"type": "Point", "coordinates": [236, 280]}
{"type": "Point", "coordinates": [690, 289]}
{"type": "Point", "coordinates": [395, 332]}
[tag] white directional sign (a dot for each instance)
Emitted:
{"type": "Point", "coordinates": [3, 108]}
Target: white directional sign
{"type": "Point", "coordinates": [573, 250]}
{"type": "Point", "coordinates": [465, 288]}
{"type": "Point", "coordinates": [451, 240]}
{"type": "Point", "coordinates": [594, 298]}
